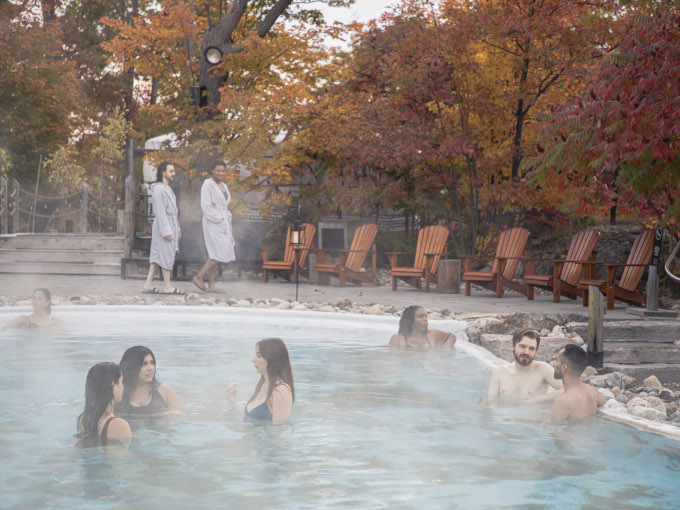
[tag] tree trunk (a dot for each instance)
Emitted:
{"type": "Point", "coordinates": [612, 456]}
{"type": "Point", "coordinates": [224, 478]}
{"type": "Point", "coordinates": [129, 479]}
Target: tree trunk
{"type": "Point", "coordinates": [219, 35]}
{"type": "Point", "coordinates": [520, 114]}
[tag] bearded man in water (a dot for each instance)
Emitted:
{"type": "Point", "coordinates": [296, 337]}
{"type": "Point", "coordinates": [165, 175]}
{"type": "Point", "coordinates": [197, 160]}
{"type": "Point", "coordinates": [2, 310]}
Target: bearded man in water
{"type": "Point", "coordinates": [524, 380]}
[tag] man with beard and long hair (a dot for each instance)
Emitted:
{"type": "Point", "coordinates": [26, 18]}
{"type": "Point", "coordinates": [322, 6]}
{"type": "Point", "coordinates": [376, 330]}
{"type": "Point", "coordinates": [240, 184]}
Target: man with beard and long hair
{"type": "Point", "coordinates": [524, 380]}
{"type": "Point", "coordinates": [579, 399]}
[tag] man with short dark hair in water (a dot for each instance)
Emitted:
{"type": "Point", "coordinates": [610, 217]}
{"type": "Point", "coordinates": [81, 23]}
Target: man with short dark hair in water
{"type": "Point", "coordinates": [579, 399]}
{"type": "Point", "coordinates": [414, 333]}
{"type": "Point", "coordinates": [524, 380]}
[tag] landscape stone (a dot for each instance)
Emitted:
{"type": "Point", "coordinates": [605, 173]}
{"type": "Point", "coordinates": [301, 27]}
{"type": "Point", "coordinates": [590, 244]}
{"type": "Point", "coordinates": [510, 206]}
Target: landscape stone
{"type": "Point", "coordinates": [614, 379]}
{"type": "Point", "coordinates": [343, 303]}
{"type": "Point", "coordinates": [375, 310]}
{"type": "Point", "coordinates": [666, 394]}
{"type": "Point", "coordinates": [622, 398]}
{"type": "Point", "coordinates": [616, 391]}
{"type": "Point", "coordinates": [588, 373]}
{"type": "Point", "coordinates": [607, 394]}
{"type": "Point", "coordinates": [615, 406]}
{"type": "Point", "coordinates": [628, 381]}
{"type": "Point", "coordinates": [652, 382]}
{"type": "Point", "coordinates": [650, 408]}
{"type": "Point", "coordinates": [598, 381]}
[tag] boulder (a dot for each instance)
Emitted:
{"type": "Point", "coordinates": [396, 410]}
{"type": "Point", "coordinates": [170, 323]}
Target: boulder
{"type": "Point", "coordinates": [652, 382]}
{"type": "Point", "coordinates": [598, 381]}
{"type": "Point", "coordinates": [115, 300]}
{"type": "Point", "coordinates": [621, 398]}
{"type": "Point", "coordinates": [614, 379]}
{"type": "Point", "coordinates": [325, 308]}
{"type": "Point", "coordinates": [375, 310]}
{"type": "Point", "coordinates": [343, 303]}
{"type": "Point", "coordinates": [243, 302]}
{"type": "Point", "coordinates": [607, 394]}
{"type": "Point", "coordinates": [615, 406]}
{"type": "Point", "coordinates": [666, 394]}
{"type": "Point", "coordinates": [616, 391]}
{"type": "Point", "coordinates": [588, 373]}
{"type": "Point", "coordinates": [650, 408]}
{"type": "Point", "coordinates": [628, 381]}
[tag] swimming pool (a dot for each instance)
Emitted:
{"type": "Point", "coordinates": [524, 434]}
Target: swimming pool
{"type": "Point", "coordinates": [371, 428]}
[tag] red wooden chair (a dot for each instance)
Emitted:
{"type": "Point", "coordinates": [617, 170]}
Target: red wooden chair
{"type": "Point", "coordinates": [287, 265]}
{"type": "Point", "coordinates": [510, 249]}
{"type": "Point", "coordinates": [430, 248]}
{"type": "Point", "coordinates": [567, 272]}
{"type": "Point", "coordinates": [633, 269]}
{"type": "Point", "coordinates": [352, 260]}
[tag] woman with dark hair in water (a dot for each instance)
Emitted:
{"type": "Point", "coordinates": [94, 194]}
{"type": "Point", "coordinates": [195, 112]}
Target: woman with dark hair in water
{"type": "Point", "coordinates": [41, 318]}
{"type": "Point", "coordinates": [274, 394]}
{"type": "Point", "coordinates": [97, 423]}
{"type": "Point", "coordinates": [414, 333]}
{"type": "Point", "coordinates": [143, 394]}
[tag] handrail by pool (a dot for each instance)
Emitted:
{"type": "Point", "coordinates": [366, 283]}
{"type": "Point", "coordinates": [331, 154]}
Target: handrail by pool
{"type": "Point", "coordinates": [667, 266]}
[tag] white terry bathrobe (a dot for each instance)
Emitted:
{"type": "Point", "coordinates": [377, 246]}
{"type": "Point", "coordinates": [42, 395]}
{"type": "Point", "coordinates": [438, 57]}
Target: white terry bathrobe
{"type": "Point", "coordinates": [165, 223]}
{"type": "Point", "coordinates": [219, 239]}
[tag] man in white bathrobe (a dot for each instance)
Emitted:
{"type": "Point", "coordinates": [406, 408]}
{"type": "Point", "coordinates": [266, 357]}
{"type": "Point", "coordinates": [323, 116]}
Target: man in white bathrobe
{"type": "Point", "coordinates": [165, 233]}
{"type": "Point", "coordinates": [219, 238]}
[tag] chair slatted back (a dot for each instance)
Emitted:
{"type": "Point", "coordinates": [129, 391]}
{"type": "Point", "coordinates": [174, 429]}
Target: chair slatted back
{"type": "Point", "coordinates": [640, 253]}
{"type": "Point", "coordinates": [308, 237]}
{"type": "Point", "coordinates": [581, 248]}
{"type": "Point", "coordinates": [511, 244]}
{"type": "Point", "coordinates": [430, 240]}
{"type": "Point", "coordinates": [361, 244]}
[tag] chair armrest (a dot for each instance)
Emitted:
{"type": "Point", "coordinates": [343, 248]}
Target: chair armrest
{"type": "Point", "coordinates": [399, 252]}
{"type": "Point", "coordinates": [435, 254]}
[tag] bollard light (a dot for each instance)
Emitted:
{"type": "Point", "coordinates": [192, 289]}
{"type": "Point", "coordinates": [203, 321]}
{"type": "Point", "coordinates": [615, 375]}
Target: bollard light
{"type": "Point", "coordinates": [213, 55]}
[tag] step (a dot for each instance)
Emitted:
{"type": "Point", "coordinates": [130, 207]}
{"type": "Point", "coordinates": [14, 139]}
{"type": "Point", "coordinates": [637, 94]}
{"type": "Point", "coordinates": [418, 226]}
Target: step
{"type": "Point", "coordinates": [63, 241]}
{"type": "Point", "coordinates": [633, 330]}
{"type": "Point", "coordinates": [641, 352]}
{"type": "Point", "coordinates": [52, 256]}
{"type": "Point", "coordinates": [63, 268]}
{"type": "Point", "coordinates": [666, 373]}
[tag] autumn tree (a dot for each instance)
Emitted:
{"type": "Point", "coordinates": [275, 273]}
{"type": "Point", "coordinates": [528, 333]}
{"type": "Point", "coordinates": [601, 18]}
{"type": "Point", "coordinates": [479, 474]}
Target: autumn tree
{"type": "Point", "coordinates": [620, 136]}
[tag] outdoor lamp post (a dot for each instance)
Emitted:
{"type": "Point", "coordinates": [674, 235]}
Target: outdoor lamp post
{"type": "Point", "coordinates": [297, 241]}
{"type": "Point", "coordinates": [213, 55]}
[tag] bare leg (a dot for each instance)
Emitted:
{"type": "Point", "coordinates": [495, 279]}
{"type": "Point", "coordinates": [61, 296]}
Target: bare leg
{"type": "Point", "coordinates": [148, 284]}
{"type": "Point", "coordinates": [200, 277]}
{"type": "Point", "coordinates": [212, 274]}
{"type": "Point", "coordinates": [166, 280]}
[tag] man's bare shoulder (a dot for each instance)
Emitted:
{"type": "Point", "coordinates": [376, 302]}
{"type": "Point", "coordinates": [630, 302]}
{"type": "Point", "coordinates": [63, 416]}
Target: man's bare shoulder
{"type": "Point", "coordinates": [503, 369]}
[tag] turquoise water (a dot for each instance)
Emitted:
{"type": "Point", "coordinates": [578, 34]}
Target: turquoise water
{"type": "Point", "coordinates": [371, 428]}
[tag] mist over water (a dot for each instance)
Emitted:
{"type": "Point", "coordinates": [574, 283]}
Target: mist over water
{"type": "Point", "coordinates": [371, 428]}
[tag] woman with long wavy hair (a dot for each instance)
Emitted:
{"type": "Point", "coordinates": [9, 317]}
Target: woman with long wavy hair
{"type": "Point", "coordinates": [97, 424]}
{"type": "Point", "coordinates": [143, 394]}
{"type": "Point", "coordinates": [415, 334]}
{"type": "Point", "coordinates": [274, 394]}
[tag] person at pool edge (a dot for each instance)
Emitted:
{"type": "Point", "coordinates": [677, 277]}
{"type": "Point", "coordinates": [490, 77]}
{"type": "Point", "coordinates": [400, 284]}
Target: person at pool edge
{"type": "Point", "coordinates": [579, 399]}
{"type": "Point", "coordinates": [524, 380]}
{"type": "Point", "coordinates": [414, 333]}
{"type": "Point", "coordinates": [274, 394]}
{"type": "Point", "coordinates": [41, 318]}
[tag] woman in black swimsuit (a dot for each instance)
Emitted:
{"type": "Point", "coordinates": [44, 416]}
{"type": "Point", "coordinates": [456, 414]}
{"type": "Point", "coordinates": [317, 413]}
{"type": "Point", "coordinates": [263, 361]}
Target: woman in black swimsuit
{"type": "Point", "coordinates": [97, 424]}
{"type": "Point", "coordinates": [274, 394]}
{"type": "Point", "coordinates": [414, 333]}
{"type": "Point", "coordinates": [143, 395]}
{"type": "Point", "coordinates": [41, 318]}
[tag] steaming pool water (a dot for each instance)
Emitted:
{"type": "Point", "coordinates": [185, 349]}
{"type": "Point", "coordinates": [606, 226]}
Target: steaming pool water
{"type": "Point", "coordinates": [371, 428]}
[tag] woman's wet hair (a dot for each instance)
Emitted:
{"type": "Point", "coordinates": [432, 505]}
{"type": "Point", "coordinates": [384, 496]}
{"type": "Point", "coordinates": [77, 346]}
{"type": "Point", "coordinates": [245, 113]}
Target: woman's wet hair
{"type": "Point", "coordinates": [406, 321]}
{"type": "Point", "coordinates": [98, 395]}
{"type": "Point", "coordinates": [161, 169]}
{"type": "Point", "coordinates": [131, 363]}
{"type": "Point", "coordinates": [48, 297]}
{"type": "Point", "coordinates": [278, 366]}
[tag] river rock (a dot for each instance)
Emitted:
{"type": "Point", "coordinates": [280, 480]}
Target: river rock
{"type": "Point", "coordinates": [598, 381]}
{"type": "Point", "coordinates": [375, 310]}
{"type": "Point", "coordinates": [616, 391]}
{"type": "Point", "coordinates": [615, 406]}
{"type": "Point", "coordinates": [343, 303]}
{"type": "Point", "coordinates": [614, 379]}
{"type": "Point", "coordinates": [628, 381]}
{"type": "Point", "coordinates": [192, 298]}
{"type": "Point", "coordinates": [244, 303]}
{"type": "Point", "coordinates": [666, 394]}
{"type": "Point", "coordinates": [278, 301]}
{"type": "Point", "coordinates": [588, 373]}
{"type": "Point", "coordinates": [115, 300]}
{"type": "Point", "coordinates": [621, 398]}
{"type": "Point", "coordinates": [650, 408]}
{"type": "Point", "coordinates": [325, 308]}
{"type": "Point", "coordinates": [652, 382]}
{"type": "Point", "coordinates": [607, 394]}
{"type": "Point", "coordinates": [557, 331]}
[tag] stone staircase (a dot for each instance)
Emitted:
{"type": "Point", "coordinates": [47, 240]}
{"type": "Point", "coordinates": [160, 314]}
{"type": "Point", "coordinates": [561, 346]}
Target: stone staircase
{"type": "Point", "coordinates": [62, 254]}
{"type": "Point", "coordinates": [640, 348]}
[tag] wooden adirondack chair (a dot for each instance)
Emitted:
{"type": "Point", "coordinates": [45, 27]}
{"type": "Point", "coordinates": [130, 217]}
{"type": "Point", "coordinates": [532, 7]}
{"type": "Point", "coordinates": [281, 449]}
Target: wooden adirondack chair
{"type": "Point", "coordinates": [352, 260]}
{"type": "Point", "coordinates": [567, 272]}
{"type": "Point", "coordinates": [430, 248]}
{"type": "Point", "coordinates": [510, 249]}
{"type": "Point", "coordinates": [626, 290]}
{"type": "Point", "coordinates": [287, 265]}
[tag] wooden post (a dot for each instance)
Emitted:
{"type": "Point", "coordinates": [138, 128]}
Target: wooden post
{"type": "Point", "coordinates": [4, 205]}
{"type": "Point", "coordinates": [448, 271]}
{"type": "Point", "coordinates": [83, 209]}
{"type": "Point", "coordinates": [595, 327]}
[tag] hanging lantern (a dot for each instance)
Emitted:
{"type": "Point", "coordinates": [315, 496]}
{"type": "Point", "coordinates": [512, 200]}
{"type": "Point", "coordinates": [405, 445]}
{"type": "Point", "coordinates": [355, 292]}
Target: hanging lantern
{"type": "Point", "coordinates": [297, 234]}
